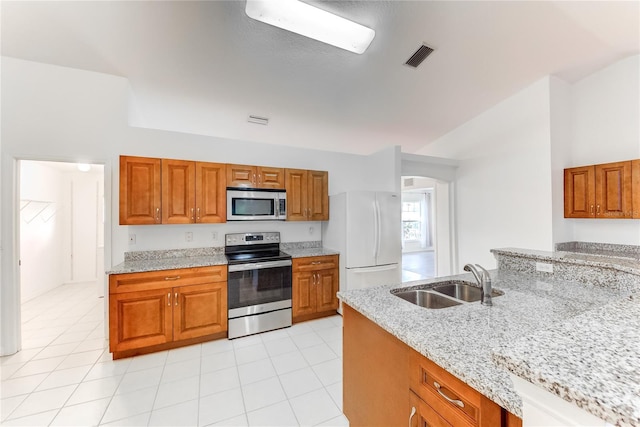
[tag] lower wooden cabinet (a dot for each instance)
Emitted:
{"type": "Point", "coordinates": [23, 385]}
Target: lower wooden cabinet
{"type": "Point", "coordinates": [423, 415]}
{"type": "Point", "coordinates": [315, 283]}
{"type": "Point", "coordinates": [173, 308]}
{"type": "Point", "coordinates": [385, 382]}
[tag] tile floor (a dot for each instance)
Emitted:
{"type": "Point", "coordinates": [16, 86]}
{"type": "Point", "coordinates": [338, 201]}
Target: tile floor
{"type": "Point", "coordinates": [418, 265]}
{"type": "Point", "coordinates": [65, 376]}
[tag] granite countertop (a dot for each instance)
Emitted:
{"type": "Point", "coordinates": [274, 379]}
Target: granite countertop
{"type": "Point", "coordinates": [138, 262]}
{"type": "Point", "coordinates": [461, 339]}
{"type": "Point", "coordinates": [595, 258]}
{"type": "Point", "coordinates": [308, 252]}
{"type": "Point", "coordinates": [601, 373]}
{"type": "Point", "coordinates": [140, 266]}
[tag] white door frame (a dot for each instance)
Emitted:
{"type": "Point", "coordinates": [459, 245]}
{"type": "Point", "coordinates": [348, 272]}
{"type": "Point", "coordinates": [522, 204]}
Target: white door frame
{"type": "Point", "coordinates": [10, 307]}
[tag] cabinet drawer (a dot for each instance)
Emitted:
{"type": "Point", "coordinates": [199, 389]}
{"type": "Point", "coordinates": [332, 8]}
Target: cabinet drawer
{"type": "Point", "coordinates": [315, 263]}
{"type": "Point", "coordinates": [423, 415]}
{"type": "Point", "coordinates": [131, 282]}
{"type": "Point", "coordinates": [456, 401]}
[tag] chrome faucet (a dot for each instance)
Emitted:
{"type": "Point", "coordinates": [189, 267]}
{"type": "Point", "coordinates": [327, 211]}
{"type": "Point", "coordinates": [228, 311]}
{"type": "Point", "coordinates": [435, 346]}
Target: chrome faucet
{"type": "Point", "coordinates": [484, 280]}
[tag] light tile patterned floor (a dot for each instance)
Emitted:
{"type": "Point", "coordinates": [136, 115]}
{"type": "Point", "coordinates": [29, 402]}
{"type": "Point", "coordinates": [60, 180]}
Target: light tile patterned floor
{"type": "Point", "coordinates": [65, 376]}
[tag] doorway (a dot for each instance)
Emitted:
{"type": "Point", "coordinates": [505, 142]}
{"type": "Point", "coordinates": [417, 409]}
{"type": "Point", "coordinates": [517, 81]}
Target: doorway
{"type": "Point", "coordinates": [61, 235]}
{"type": "Point", "coordinates": [425, 228]}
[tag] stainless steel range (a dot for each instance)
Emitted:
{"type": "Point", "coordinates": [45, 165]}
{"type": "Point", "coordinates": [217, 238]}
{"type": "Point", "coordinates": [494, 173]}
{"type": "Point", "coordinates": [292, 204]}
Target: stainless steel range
{"type": "Point", "coordinates": [259, 283]}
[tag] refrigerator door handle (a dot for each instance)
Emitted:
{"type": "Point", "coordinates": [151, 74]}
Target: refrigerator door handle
{"type": "Point", "coordinates": [378, 228]}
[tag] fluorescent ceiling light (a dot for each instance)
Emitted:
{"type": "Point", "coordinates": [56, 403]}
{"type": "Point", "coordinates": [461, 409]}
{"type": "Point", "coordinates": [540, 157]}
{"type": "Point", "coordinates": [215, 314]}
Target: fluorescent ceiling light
{"type": "Point", "coordinates": [309, 21]}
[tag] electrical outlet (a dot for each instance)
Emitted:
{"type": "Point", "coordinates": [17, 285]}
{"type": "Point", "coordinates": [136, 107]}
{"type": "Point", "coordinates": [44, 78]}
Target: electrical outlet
{"type": "Point", "coordinates": [311, 230]}
{"type": "Point", "coordinates": [132, 239]}
{"type": "Point", "coordinates": [544, 266]}
{"type": "Point", "coordinates": [214, 235]}
{"type": "Point", "coordinates": [188, 236]}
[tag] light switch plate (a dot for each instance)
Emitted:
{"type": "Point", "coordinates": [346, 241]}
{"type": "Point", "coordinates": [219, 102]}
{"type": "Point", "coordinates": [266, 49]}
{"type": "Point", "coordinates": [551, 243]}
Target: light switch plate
{"type": "Point", "coordinates": [544, 266]}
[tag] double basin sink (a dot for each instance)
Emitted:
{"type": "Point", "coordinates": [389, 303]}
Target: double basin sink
{"type": "Point", "coordinates": [443, 295]}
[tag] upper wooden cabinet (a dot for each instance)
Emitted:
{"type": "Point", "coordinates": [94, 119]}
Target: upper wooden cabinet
{"type": "Point", "coordinates": [245, 176]}
{"type": "Point", "coordinates": [601, 191]}
{"type": "Point", "coordinates": [193, 192]}
{"type": "Point", "coordinates": [178, 191]}
{"type": "Point", "coordinates": [140, 191]}
{"type": "Point", "coordinates": [307, 195]}
{"type": "Point", "coordinates": [154, 191]}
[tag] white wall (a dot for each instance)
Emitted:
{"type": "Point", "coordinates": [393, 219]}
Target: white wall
{"type": "Point", "coordinates": [605, 127]}
{"type": "Point", "coordinates": [503, 185]}
{"type": "Point", "coordinates": [41, 234]}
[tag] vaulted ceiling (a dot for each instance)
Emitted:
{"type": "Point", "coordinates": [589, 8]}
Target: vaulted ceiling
{"type": "Point", "coordinates": [203, 66]}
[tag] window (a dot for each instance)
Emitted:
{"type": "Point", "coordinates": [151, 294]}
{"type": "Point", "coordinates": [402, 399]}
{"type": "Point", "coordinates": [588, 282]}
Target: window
{"type": "Point", "coordinates": [411, 217]}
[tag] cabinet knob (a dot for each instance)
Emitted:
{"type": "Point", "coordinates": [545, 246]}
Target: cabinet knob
{"type": "Point", "coordinates": [169, 299]}
{"type": "Point", "coordinates": [157, 214]}
{"type": "Point", "coordinates": [175, 297]}
{"type": "Point", "coordinates": [193, 218]}
{"type": "Point", "coordinates": [198, 214]}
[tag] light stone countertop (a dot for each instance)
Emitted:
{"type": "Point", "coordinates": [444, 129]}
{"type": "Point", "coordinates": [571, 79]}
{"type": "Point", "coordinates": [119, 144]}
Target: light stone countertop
{"type": "Point", "coordinates": [140, 266]}
{"type": "Point", "coordinates": [138, 262]}
{"type": "Point", "coordinates": [591, 360]}
{"type": "Point", "coordinates": [309, 252]}
{"type": "Point", "coordinates": [461, 339]}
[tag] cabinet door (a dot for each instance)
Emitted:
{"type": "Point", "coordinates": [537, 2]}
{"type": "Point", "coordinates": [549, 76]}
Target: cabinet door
{"type": "Point", "coordinates": [270, 177]}
{"type": "Point", "coordinates": [303, 294]}
{"type": "Point", "coordinates": [140, 319]}
{"type": "Point", "coordinates": [635, 188]}
{"type": "Point", "coordinates": [422, 415]}
{"type": "Point", "coordinates": [139, 190]}
{"type": "Point", "coordinates": [296, 186]}
{"type": "Point", "coordinates": [579, 192]}
{"type": "Point", "coordinates": [326, 283]}
{"type": "Point", "coordinates": [199, 310]}
{"type": "Point", "coordinates": [613, 190]}
{"type": "Point", "coordinates": [211, 202]}
{"type": "Point", "coordinates": [241, 176]}
{"type": "Point", "coordinates": [178, 192]}
{"type": "Point", "coordinates": [318, 196]}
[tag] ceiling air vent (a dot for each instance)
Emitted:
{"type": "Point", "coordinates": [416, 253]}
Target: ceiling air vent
{"type": "Point", "coordinates": [258, 120]}
{"type": "Point", "coordinates": [420, 55]}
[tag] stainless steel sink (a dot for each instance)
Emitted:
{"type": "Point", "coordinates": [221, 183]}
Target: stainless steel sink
{"type": "Point", "coordinates": [457, 292]}
{"type": "Point", "coordinates": [463, 291]}
{"type": "Point", "coordinates": [426, 299]}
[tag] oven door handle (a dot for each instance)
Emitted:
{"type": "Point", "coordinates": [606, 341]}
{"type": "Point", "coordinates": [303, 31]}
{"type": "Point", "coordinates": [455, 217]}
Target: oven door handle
{"type": "Point", "coordinates": [259, 265]}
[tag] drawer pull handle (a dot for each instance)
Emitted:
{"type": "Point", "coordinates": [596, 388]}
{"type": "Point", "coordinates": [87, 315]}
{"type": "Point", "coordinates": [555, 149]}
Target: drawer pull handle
{"type": "Point", "coordinates": [316, 262]}
{"type": "Point", "coordinates": [413, 412]}
{"type": "Point", "coordinates": [458, 402]}
{"type": "Point", "coordinates": [172, 278]}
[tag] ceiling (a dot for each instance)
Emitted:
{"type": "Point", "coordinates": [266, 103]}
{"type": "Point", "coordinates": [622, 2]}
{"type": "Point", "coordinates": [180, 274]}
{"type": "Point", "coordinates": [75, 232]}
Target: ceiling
{"type": "Point", "coordinates": [203, 66]}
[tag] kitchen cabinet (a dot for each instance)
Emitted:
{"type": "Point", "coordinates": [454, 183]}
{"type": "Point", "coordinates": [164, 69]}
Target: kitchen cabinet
{"type": "Point", "coordinates": [599, 191]}
{"type": "Point", "coordinates": [140, 190]}
{"type": "Point", "coordinates": [635, 188]}
{"type": "Point", "coordinates": [307, 195]}
{"type": "Point", "coordinates": [193, 192]}
{"type": "Point", "coordinates": [387, 383]}
{"type": "Point", "coordinates": [244, 176]}
{"type": "Point", "coordinates": [315, 283]}
{"type": "Point", "coordinates": [158, 310]}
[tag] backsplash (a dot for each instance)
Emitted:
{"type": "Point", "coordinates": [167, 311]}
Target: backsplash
{"type": "Point", "coordinates": [612, 272]}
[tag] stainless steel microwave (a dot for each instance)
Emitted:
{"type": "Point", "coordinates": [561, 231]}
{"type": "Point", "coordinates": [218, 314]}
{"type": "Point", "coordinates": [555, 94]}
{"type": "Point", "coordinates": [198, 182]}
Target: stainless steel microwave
{"type": "Point", "coordinates": [256, 205]}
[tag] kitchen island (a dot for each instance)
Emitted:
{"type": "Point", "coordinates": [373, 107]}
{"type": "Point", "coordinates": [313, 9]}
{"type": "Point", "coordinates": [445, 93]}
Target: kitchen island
{"type": "Point", "coordinates": [463, 340]}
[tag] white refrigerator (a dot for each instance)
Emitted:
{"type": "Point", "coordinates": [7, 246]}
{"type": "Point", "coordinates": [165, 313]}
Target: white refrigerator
{"type": "Point", "coordinates": [365, 227]}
